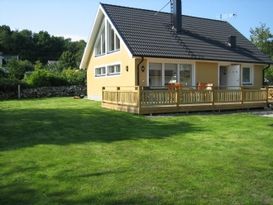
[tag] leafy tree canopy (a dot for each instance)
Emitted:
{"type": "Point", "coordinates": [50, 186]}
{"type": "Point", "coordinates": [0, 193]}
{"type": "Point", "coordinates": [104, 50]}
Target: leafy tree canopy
{"type": "Point", "coordinates": [39, 46]}
{"type": "Point", "coordinates": [262, 37]}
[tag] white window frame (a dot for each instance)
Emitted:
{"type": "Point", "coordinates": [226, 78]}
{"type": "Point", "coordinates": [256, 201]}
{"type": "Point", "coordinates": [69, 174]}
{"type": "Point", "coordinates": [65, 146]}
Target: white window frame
{"type": "Point", "coordinates": [170, 69]}
{"type": "Point", "coordinates": [115, 70]}
{"type": "Point", "coordinates": [251, 70]}
{"type": "Point", "coordinates": [101, 75]}
{"type": "Point", "coordinates": [178, 71]}
{"type": "Point", "coordinates": [192, 73]}
{"type": "Point", "coordinates": [106, 66]}
{"type": "Point", "coordinates": [99, 38]}
{"type": "Point", "coordinates": [116, 37]}
{"type": "Point", "coordinates": [120, 38]}
{"type": "Point", "coordinates": [109, 29]}
{"type": "Point", "coordinates": [162, 72]}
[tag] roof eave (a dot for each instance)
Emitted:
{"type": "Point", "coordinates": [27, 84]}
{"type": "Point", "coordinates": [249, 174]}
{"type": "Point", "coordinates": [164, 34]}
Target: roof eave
{"type": "Point", "coordinates": [91, 39]}
{"type": "Point", "coordinates": [206, 59]}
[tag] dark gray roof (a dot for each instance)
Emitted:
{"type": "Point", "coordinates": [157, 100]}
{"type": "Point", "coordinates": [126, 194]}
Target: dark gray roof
{"type": "Point", "coordinates": [147, 33]}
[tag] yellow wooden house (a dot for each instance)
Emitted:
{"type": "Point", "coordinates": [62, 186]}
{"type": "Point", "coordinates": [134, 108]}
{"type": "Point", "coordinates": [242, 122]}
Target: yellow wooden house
{"type": "Point", "coordinates": [144, 61]}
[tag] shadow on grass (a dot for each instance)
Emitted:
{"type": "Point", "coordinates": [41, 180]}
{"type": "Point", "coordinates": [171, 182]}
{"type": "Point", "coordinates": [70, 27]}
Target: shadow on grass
{"type": "Point", "coordinates": [110, 198]}
{"type": "Point", "coordinates": [29, 127]}
{"type": "Point", "coordinates": [17, 193]}
{"type": "Point", "coordinates": [24, 193]}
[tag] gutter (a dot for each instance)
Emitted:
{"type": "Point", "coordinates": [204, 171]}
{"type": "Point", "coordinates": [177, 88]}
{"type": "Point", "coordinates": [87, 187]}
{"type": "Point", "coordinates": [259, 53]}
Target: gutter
{"type": "Point", "coordinates": [138, 69]}
{"type": "Point", "coordinates": [268, 66]}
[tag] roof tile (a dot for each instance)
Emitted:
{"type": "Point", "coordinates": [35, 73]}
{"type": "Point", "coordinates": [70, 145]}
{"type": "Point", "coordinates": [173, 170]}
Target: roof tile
{"type": "Point", "coordinates": [147, 34]}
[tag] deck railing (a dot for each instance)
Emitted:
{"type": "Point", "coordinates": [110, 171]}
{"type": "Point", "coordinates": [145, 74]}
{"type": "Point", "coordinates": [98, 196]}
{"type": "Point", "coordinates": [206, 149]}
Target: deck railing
{"type": "Point", "coordinates": [158, 97]}
{"type": "Point", "coordinates": [140, 97]}
{"type": "Point", "coordinates": [121, 95]}
{"type": "Point", "coordinates": [270, 93]}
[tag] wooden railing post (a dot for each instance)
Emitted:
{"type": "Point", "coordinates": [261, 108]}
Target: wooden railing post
{"type": "Point", "coordinates": [140, 96]}
{"type": "Point", "coordinates": [117, 96]}
{"type": "Point", "coordinates": [177, 97]}
{"type": "Point", "coordinates": [138, 88]}
{"type": "Point", "coordinates": [102, 96]}
{"type": "Point", "coordinates": [242, 95]}
{"type": "Point", "coordinates": [213, 95]}
{"type": "Point", "coordinates": [267, 95]}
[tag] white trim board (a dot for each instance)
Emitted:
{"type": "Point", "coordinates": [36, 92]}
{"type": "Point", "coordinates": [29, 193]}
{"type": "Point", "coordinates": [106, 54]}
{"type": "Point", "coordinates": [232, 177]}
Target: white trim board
{"type": "Point", "coordinates": [106, 70]}
{"type": "Point", "coordinates": [92, 38]}
{"type": "Point", "coordinates": [192, 63]}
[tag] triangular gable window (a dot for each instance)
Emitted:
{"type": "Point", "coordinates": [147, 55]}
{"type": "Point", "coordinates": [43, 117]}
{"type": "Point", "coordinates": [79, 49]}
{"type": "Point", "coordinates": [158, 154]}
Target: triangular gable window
{"type": "Point", "coordinates": [103, 46]}
{"type": "Point", "coordinates": [113, 40]}
{"type": "Point", "coordinates": [100, 42]}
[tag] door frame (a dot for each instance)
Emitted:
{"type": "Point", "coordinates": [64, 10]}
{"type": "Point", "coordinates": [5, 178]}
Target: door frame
{"type": "Point", "coordinates": [227, 65]}
{"type": "Point", "coordinates": [219, 65]}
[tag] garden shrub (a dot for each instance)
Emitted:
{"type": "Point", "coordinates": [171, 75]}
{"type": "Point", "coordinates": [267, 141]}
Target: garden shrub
{"type": "Point", "coordinates": [17, 68]}
{"type": "Point", "coordinates": [41, 78]}
{"type": "Point", "coordinates": [7, 84]}
{"type": "Point", "coordinates": [74, 77]}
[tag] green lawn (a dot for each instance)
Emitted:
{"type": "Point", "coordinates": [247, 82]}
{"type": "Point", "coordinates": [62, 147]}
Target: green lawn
{"type": "Point", "coordinates": [66, 151]}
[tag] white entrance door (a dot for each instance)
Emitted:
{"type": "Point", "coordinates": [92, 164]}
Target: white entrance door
{"type": "Point", "coordinates": [233, 76]}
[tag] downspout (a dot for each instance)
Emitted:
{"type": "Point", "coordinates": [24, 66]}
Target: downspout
{"type": "Point", "coordinates": [138, 69]}
{"type": "Point", "coordinates": [268, 66]}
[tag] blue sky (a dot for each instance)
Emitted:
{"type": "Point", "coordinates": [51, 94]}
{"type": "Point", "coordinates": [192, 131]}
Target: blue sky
{"type": "Point", "coordinates": [74, 18]}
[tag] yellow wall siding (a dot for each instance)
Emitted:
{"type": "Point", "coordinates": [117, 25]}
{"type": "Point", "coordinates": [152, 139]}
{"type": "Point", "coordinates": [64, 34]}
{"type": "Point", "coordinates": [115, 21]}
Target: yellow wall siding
{"type": "Point", "coordinates": [258, 76]}
{"type": "Point", "coordinates": [207, 72]}
{"type": "Point", "coordinates": [143, 78]}
{"type": "Point", "coordinates": [126, 78]}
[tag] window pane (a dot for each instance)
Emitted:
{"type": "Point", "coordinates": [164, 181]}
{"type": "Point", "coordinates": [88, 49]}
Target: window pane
{"type": "Point", "coordinates": [117, 43]}
{"type": "Point", "coordinates": [117, 68]}
{"type": "Point", "coordinates": [170, 73]}
{"type": "Point", "coordinates": [103, 71]}
{"type": "Point", "coordinates": [103, 40]}
{"type": "Point", "coordinates": [111, 39]}
{"type": "Point", "coordinates": [98, 47]}
{"type": "Point", "coordinates": [246, 75]}
{"type": "Point", "coordinates": [97, 71]}
{"type": "Point", "coordinates": [185, 74]}
{"type": "Point", "coordinates": [155, 74]}
{"type": "Point", "coordinates": [114, 70]}
{"type": "Point", "coordinates": [111, 69]}
{"type": "Point", "coordinates": [100, 71]}
{"type": "Point", "coordinates": [100, 42]}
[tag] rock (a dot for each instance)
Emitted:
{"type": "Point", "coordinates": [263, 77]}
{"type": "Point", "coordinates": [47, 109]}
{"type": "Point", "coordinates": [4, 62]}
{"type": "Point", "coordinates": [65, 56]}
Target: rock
{"type": "Point", "coordinates": [61, 91]}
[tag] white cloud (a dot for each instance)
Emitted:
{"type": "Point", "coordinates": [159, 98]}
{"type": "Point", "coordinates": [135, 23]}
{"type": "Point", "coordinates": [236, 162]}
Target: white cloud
{"type": "Point", "coordinates": [73, 37]}
{"type": "Point", "coordinates": [228, 16]}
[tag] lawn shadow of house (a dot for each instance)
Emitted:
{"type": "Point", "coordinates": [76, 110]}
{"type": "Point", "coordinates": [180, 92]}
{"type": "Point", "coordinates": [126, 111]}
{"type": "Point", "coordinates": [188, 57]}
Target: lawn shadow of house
{"type": "Point", "coordinates": [25, 128]}
{"type": "Point", "coordinates": [30, 127]}
{"type": "Point", "coordinates": [24, 193]}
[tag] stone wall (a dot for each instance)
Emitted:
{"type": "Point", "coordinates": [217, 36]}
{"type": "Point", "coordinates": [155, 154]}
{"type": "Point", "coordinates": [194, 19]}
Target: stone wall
{"type": "Point", "coordinates": [60, 91]}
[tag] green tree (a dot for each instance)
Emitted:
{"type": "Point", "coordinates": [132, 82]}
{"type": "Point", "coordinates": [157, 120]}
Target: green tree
{"type": "Point", "coordinates": [41, 47]}
{"type": "Point", "coordinates": [67, 60]}
{"type": "Point", "coordinates": [5, 39]}
{"type": "Point", "coordinates": [74, 76]}
{"type": "Point", "coordinates": [262, 37]}
{"type": "Point", "coordinates": [77, 48]}
{"type": "Point", "coordinates": [18, 68]}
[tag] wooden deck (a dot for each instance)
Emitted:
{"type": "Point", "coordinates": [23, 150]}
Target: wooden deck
{"type": "Point", "coordinates": [146, 101]}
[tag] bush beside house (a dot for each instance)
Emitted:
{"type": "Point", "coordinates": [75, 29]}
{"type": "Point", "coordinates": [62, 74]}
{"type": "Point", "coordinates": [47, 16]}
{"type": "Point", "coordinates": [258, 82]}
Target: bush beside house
{"type": "Point", "coordinates": [40, 80]}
